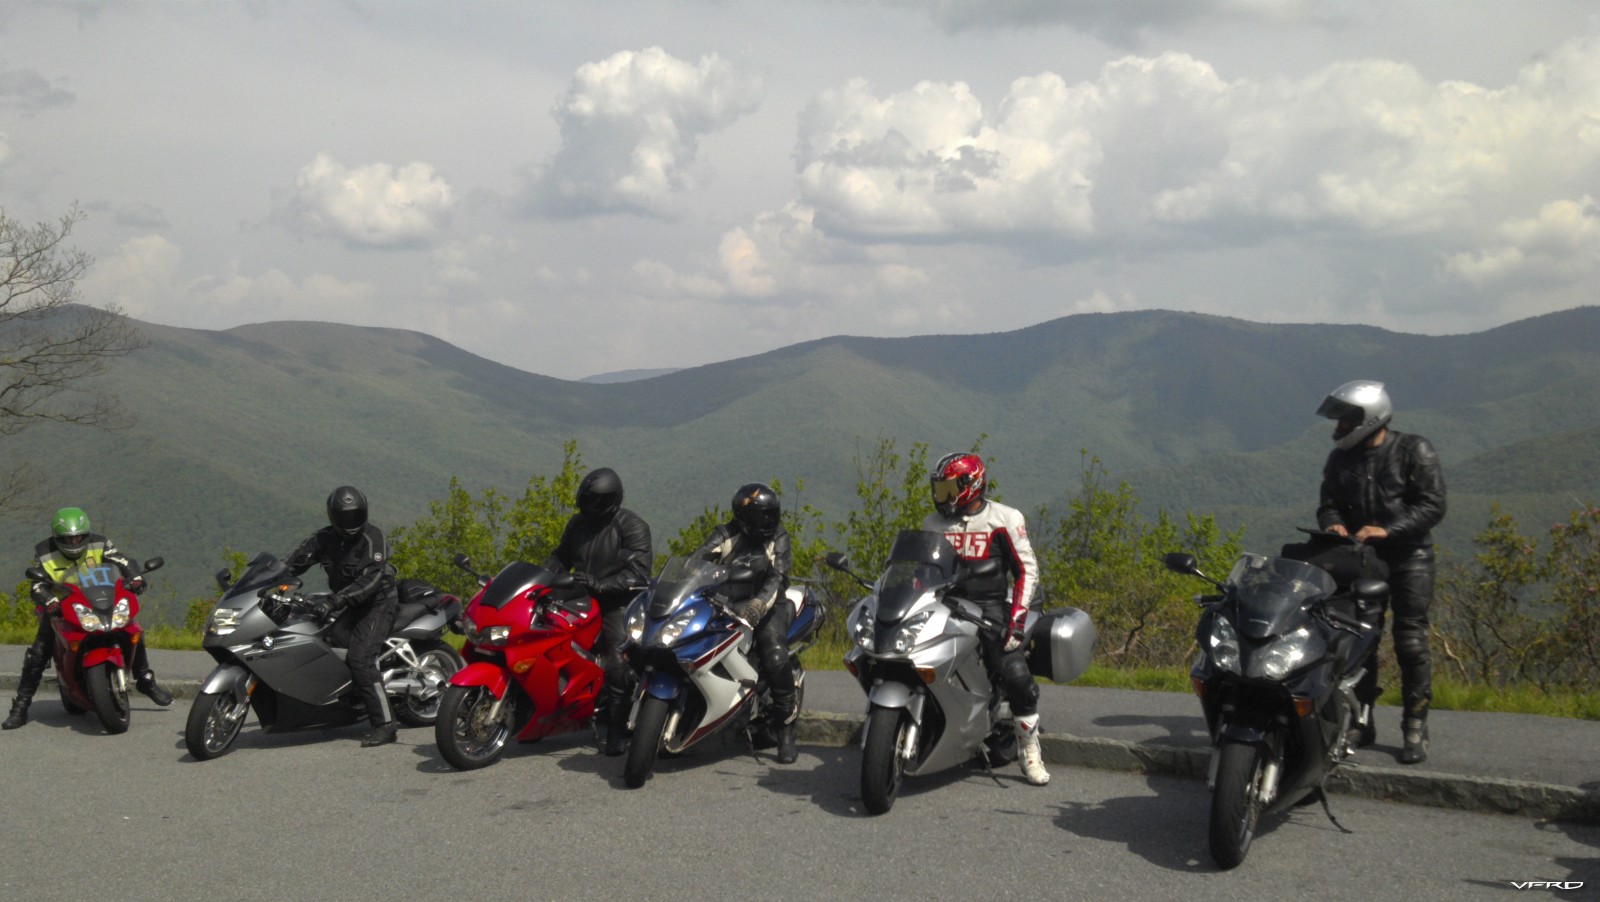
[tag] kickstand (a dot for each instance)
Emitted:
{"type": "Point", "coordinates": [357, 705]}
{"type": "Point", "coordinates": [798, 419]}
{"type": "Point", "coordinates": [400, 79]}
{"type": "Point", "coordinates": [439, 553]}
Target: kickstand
{"type": "Point", "coordinates": [990, 768]}
{"type": "Point", "coordinates": [1323, 798]}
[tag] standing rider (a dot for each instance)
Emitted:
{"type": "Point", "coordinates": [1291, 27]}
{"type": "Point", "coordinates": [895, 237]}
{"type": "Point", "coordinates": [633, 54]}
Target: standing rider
{"type": "Point", "coordinates": [1386, 489]}
{"type": "Point", "coordinates": [608, 550]}
{"type": "Point", "coordinates": [355, 556]}
{"type": "Point", "coordinates": [755, 538]}
{"type": "Point", "coordinates": [70, 544]}
{"type": "Point", "coordinates": [979, 529]}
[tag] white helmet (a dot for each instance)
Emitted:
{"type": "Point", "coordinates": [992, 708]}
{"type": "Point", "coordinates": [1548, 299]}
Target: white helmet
{"type": "Point", "coordinates": [1362, 407]}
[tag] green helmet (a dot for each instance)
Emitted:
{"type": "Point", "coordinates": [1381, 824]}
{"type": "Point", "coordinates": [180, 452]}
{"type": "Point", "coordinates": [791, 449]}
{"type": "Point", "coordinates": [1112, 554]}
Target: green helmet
{"type": "Point", "coordinates": [71, 531]}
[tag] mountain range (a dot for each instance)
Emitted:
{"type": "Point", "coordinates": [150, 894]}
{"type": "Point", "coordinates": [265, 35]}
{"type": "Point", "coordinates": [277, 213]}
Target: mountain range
{"type": "Point", "coordinates": [238, 435]}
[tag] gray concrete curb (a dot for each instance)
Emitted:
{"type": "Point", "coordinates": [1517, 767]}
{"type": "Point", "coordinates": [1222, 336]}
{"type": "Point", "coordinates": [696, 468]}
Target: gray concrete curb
{"type": "Point", "coordinates": [1489, 795]}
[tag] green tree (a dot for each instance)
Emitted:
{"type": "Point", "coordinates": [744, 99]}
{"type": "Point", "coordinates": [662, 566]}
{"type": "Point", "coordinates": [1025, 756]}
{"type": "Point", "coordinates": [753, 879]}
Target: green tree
{"type": "Point", "coordinates": [1483, 625]}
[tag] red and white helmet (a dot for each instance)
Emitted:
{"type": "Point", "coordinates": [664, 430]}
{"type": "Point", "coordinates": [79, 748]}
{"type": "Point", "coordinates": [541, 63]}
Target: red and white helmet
{"type": "Point", "coordinates": [958, 482]}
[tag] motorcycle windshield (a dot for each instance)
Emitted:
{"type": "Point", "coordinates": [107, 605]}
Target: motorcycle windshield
{"type": "Point", "coordinates": [97, 582]}
{"type": "Point", "coordinates": [1272, 593]}
{"type": "Point", "coordinates": [918, 561]}
{"type": "Point", "coordinates": [511, 582]}
{"type": "Point", "coordinates": [681, 578]}
{"type": "Point", "coordinates": [264, 571]}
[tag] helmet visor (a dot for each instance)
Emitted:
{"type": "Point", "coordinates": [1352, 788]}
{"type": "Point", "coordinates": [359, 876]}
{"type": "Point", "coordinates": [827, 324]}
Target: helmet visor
{"type": "Point", "coordinates": [76, 541]}
{"type": "Point", "coordinates": [947, 490]}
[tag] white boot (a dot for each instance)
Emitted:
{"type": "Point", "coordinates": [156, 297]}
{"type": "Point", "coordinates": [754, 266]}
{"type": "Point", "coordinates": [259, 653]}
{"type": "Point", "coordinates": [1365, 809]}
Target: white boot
{"type": "Point", "coordinates": [1028, 753]}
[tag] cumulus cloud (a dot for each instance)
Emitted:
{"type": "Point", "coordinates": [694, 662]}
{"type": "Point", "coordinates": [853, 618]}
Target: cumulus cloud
{"type": "Point", "coordinates": [1163, 150]}
{"type": "Point", "coordinates": [1117, 22]}
{"type": "Point", "coordinates": [1561, 243]}
{"type": "Point", "coordinates": [372, 206]}
{"type": "Point", "coordinates": [631, 125]}
{"type": "Point", "coordinates": [25, 89]}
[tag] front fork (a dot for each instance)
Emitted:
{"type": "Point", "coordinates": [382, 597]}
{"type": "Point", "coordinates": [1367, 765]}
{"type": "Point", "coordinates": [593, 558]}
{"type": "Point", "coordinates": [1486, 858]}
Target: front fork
{"type": "Point", "coordinates": [1272, 746]}
{"type": "Point", "coordinates": [671, 725]}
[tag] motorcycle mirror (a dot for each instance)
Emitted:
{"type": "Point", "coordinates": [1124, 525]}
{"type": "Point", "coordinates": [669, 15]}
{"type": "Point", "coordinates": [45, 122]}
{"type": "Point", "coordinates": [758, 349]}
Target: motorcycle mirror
{"type": "Point", "coordinates": [154, 563]}
{"type": "Point", "coordinates": [1181, 562]}
{"type": "Point", "coordinates": [838, 560]}
{"type": "Point", "coordinates": [464, 562]}
{"type": "Point", "coordinates": [224, 579]}
{"type": "Point", "coordinates": [37, 574]}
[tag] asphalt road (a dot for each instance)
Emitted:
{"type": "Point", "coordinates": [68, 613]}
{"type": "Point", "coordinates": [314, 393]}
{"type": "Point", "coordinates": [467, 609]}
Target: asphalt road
{"type": "Point", "coordinates": [313, 816]}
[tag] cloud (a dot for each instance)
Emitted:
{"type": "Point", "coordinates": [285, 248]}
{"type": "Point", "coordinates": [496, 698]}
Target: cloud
{"type": "Point", "coordinates": [372, 206]}
{"type": "Point", "coordinates": [630, 131]}
{"type": "Point", "coordinates": [1560, 244]}
{"type": "Point", "coordinates": [25, 89]}
{"type": "Point", "coordinates": [140, 215]}
{"type": "Point", "coordinates": [1117, 22]}
{"type": "Point", "coordinates": [1163, 151]}
{"type": "Point", "coordinates": [138, 279]}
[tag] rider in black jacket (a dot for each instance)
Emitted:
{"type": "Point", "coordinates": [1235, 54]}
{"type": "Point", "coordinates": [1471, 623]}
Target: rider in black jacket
{"type": "Point", "coordinates": [355, 556]}
{"type": "Point", "coordinates": [755, 538]}
{"type": "Point", "coordinates": [1386, 489]}
{"type": "Point", "coordinates": [608, 550]}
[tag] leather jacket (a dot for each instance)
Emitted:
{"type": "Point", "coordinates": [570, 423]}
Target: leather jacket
{"type": "Point", "coordinates": [770, 559]}
{"type": "Point", "coordinates": [358, 566]}
{"type": "Point", "coordinates": [615, 552]}
{"type": "Point", "coordinates": [1398, 485]}
{"type": "Point", "coordinates": [997, 531]}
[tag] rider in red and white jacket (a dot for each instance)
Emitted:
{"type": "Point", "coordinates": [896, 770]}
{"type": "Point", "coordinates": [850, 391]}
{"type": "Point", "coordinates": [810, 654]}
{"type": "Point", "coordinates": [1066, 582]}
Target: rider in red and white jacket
{"type": "Point", "coordinates": [979, 529]}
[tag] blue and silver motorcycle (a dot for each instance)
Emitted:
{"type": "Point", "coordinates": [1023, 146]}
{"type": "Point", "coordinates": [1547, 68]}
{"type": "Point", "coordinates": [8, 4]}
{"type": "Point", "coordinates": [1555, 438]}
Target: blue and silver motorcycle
{"type": "Point", "coordinates": [695, 658]}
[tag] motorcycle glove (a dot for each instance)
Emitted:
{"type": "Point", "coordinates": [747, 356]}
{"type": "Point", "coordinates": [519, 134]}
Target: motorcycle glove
{"type": "Point", "coordinates": [583, 580]}
{"type": "Point", "coordinates": [748, 611]}
{"type": "Point", "coordinates": [136, 585]}
{"type": "Point", "coordinates": [1017, 631]}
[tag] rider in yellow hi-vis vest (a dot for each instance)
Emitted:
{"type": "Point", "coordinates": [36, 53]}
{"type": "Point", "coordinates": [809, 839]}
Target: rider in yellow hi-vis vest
{"type": "Point", "coordinates": [71, 544]}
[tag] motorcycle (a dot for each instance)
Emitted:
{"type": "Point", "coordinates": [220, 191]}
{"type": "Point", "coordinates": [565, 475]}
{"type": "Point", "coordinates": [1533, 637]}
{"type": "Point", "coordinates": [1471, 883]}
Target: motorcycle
{"type": "Point", "coordinates": [693, 654]}
{"type": "Point", "coordinates": [1281, 652]}
{"type": "Point", "coordinates": [95, 637]}
{"type": "Point", "coordinates": [530, 672]}
{"type": "Point", "coordinates": [277, 659]}
{"type": "Point", "coordinates": [916, 653]}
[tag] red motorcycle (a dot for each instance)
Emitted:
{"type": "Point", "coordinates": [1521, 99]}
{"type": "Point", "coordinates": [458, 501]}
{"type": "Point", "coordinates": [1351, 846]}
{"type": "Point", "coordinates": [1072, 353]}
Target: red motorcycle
{"type": "Point", "coordinates": [95, 636]}
{"type": "Point", "coordinates": [529, 673]}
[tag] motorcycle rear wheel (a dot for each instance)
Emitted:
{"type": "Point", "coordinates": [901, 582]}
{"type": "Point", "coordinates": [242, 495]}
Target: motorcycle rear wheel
{"type": "Point", "coordinates": [441, 661]}
{"type": "Point", "coordinates": [215, 720]}
{"type": "Point", "coordinates": [649, 732]}
{"type": "Point", "coordinates": [1236, 802]}
{"type": "Point", "coordinates": [466, 739]}
{"type": "Point", "coordinates": [882, 764]}
{"type": "Point", "coordinates": [110, 699]}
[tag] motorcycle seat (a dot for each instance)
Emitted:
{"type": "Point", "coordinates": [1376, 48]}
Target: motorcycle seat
{"type": "Point", "coordinates": [408, 612]}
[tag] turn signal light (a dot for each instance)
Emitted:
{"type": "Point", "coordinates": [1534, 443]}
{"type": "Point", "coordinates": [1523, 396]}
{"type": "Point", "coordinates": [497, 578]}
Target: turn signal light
{"type": "Point", "coordinates": [1303, 706]}
{"type": "Point", "coordinates": [928, 675]}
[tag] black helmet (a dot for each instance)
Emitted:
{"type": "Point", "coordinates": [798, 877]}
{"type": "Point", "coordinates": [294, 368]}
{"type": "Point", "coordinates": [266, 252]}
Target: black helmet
{"type": "Point", "coordinates": [347, 509]}
{"type": "Point", "coordinates": [756, 510]}
{"type": "Point", "coordinates": [600, 493]}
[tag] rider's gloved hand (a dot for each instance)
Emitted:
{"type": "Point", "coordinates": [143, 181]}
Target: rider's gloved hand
{"type": "Point", "coordinates": [1016, 631]}
{"type": "Point", "coordinates": [136, 585]}
{"type": "Point", "coordinates": [748, 611]}
{"type": "Point", "coordinates": [322, 608]}
{"type": "Point", "coordinates": [583, 580]}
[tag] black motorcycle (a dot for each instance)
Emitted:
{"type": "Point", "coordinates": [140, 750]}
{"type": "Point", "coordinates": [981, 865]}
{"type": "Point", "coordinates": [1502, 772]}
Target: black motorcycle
{"type": "Point", "coordinates": [274, 657]}
{"type": "Point", "coordinates": [1281, 651]}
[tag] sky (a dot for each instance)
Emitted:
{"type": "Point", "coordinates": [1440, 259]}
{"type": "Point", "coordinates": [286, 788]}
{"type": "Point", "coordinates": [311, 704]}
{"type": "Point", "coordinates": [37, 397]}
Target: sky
{"type": "Point", "coordinates": [575, 188]}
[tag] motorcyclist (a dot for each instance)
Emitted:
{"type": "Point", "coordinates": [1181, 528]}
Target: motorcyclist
{"type": "Point", "coordinates": [608, 550]}
{"type": "Point", "coordinates": [755, 538]}
{"type": "Point", "coordinates": [979, 529]}
{"type": "Point", "coordinates": [70, 544]}
{"type": "Point", "coordinates": [1386, 489]}
{"type": "Point", "coordinates": [355, 556]}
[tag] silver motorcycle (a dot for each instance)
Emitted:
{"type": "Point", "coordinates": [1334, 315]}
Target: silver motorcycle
{"type": "Point", "coordinates": [916, 654]}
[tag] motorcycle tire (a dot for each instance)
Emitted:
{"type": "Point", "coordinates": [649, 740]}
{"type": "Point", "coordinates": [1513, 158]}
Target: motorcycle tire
{"type": "Point", "coordinates": [110, 699]}
{"type": "Point", "coordinates": [882, 764]}
{"type": "Point", "coordinates": [649, 732]}
{"type": "Point", "coordinates": [214, 723]}
{"type": "Point", "coordinates": [466, 740]}
{"type": "Point", "coordinates": [441, 661]}
{"type": "Point", "coordinates": [1236, 802]}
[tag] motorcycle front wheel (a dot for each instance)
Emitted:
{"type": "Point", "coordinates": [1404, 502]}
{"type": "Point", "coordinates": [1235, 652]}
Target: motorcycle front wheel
{"type": "Point", "coordinates": [882, 761]}
{"type": "Point", "coordinates": [215, 720]}
{"type": "Point", "coordinates": [649, 732]}
{"type": "Point", "coordinates": [437, 663]}
{"type": "Point", "coordinates": [467, 738]}
{"type": "Point", "coordinates": [1236, 802]}
{"type": "Point", "coordinates": [109, 692]}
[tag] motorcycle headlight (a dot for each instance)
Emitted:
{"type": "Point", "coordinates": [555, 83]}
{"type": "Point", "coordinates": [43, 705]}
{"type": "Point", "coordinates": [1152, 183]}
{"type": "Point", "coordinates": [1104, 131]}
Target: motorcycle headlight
{"type": "Point", "coordinates": [1280, 658]}
{"type": "Point", "coordinates": [87, 618]}
{"type": "Point", "coordinates": [223, 621]}
{"type": "Point", "coordinates": [121, 614]}
{"type": "Point", "coordinates": [669, 634]}
{"type": "Point", "coordinates": [635, 622]}
{"type": "Point", "coordinates": [494, 635]}
{"type": "Point", "coordinates": [862, 626]}
{"type": "Point", "coordinates": [905, 638]}
{"type": "Point", "coordinates": [1224, 642]}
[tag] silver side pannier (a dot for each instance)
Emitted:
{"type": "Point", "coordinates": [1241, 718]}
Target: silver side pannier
{"type": "Point", "coordinates": [1060, 643]}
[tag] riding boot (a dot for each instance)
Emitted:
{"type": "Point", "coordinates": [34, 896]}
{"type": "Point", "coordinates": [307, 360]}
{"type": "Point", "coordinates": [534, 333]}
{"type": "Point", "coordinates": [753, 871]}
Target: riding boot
{"type": "Point", "coordinates": [787, 752]}
{"type": "Point", "coordinates": [1364, 735]}
{"type": "Point", "coordinates": [1415, 730]}
{"type": "Point", "coordinates": [1028, 752]}
{"type": "Point", "coordinates": [616, 730]}
{"type": "Point", "coordinates": [146, 684]}
{"type": "Point", "coordinates": [380, 735]}
{"type": "Point", "coordinates": [33, 665]}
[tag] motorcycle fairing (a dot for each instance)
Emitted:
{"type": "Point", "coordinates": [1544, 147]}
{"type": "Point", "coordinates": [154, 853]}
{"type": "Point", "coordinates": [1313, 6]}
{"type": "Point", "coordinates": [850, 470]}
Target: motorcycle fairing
{"type": "Point", "coordinates": [489, 675]}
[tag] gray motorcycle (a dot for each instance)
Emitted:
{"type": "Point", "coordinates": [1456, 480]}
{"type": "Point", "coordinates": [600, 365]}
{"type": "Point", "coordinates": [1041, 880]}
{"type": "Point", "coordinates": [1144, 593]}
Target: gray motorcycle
{"type": "Point", "coordinates": [916, 654]}
{"type": "Point", "coordinates": [276, 659]}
